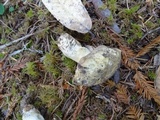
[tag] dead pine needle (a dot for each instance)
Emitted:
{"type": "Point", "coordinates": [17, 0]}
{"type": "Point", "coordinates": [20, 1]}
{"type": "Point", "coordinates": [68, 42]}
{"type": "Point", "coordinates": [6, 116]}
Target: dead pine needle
{"type": "Point", "coordinates": [135, 113]}
{"type": "Point", "coordinates": [148, 47]}
{"type": "Point", "coordinates": [128, 55]}
{"type": "Point", "coordinates": [80, 103]}
{"type": "Point", "coordinates": [146, 87]}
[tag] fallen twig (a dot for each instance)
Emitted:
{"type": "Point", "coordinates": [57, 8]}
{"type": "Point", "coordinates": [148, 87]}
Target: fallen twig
{"type": "Point", "coordinates": [15, 41]}
{"type": "Point", "coordinates": [19, 39]}
{"type": "Point", "coordinates": [150, 32]}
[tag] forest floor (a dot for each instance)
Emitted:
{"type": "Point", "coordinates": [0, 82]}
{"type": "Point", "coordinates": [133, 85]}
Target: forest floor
{"type": "Point", "coordinates": [34, 67]}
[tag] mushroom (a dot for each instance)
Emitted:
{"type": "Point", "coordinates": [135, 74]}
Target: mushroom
{"type": "Point", "coordinates": [94, 66]}
{"type": "Point", "coordinates": [31, 113]}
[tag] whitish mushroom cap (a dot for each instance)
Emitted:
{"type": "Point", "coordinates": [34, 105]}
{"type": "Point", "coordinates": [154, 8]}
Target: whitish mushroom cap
{"type": "Point", "coordinates": [31, 113]}
{"type": "Point", "coordinates": [97, 66]}
{"type": "Point", "coordinates": [71, 48]}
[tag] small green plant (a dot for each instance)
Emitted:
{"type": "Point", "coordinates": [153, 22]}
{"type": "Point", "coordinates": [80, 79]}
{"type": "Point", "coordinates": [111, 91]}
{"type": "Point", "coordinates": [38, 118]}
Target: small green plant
{"type": "Point", "coordinates": [31, 69]}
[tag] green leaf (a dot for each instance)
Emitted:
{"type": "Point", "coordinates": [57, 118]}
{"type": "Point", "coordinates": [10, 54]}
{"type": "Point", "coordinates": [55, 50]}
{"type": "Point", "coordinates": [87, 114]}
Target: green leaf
{"type": "Point", "coordinates": [11, 9]}
{"type": "Point", "coordinates": [2, 9]}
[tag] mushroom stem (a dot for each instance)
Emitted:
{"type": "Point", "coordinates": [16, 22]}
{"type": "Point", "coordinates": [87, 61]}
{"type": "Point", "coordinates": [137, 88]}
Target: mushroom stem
{"type": "Point", "coordinates": [71, 48]}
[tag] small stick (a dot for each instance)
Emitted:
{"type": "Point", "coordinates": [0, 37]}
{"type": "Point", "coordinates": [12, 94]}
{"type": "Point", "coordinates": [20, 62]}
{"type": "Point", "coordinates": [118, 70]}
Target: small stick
{"type": "Point", "coordinates": [19, 39]}
{"type": "Point", "coordinates": [6, 2]}
{"type": "Point", "coordinates": [15, 41]}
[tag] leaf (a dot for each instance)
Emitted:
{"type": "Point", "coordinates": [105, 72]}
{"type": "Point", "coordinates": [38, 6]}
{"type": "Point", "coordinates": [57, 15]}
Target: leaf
{"type": "Point", "coordinates": [71, 13]}
{"type": "Point", "coordinates": [2, 9]}
{"type": "Point", "coordinates": [11, 9]}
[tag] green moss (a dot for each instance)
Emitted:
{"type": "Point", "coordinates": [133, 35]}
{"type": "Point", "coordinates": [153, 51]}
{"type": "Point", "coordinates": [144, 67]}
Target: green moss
{"type": "Point", "coordinates": [152, 75]}
{"type": "Point", "coordinates": [135, 33]}
{"type": "Point", "coordinates": [18, 116]}
{"type": "Point", "coordinates": [2, 55]}
{"type": "Point", "coordinates": [150, 25]}
{"type": "Point", "coordinates": [87, 37]}
{"type": "Point", "coordinates": [101, 117]}
{"type": "Point", "coordinates": [70, 64]}
{"type": "Point", "coordinates": [130, 40]}
{"type": "Point", "coordinates": [112, 5]}
{"type": "Point", "coordinates": [49, 96]}
{"type": "Point", "coordinates": [59, 113]}
{"type": "Point", "coordinates": [51, 62]}
{"type": "Point", "coordinates": [132, 10]}
{"type": "Point", "coordinates": [110, 20]}
{"type": "Point", "coordinates": [31, 69]}
{"type": "Point", "coordinates": [30, 14]}
{"type": "Point", "coordinates": [136, 30]}
{"type": "Point", "coordinates": [14, 89]}
{"type": "Point", "coordinates": [31, 88]}
{"type": "Point", "coordinates": [3, 41]}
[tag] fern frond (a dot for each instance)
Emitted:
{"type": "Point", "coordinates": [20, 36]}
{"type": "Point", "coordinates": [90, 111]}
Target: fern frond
{"type": "Point", "coordinates": [145, 87]}
{"type": "Point", "coordinates": [135, 113]}
{"type": "Point", "coordinates": [147, 48]}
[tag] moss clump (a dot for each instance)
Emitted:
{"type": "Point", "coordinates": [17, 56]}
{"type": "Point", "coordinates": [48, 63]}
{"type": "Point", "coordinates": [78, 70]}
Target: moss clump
{"type": "Point", "coordinates": [128, 13]}
{"type": "Point", "coordinates": [112, 5]}
{"type": "Point", "coordinates": [51, 64]}
{"type": "Point", "coordinates": [135, 33]}
{"type": "Point", "coordinates": [31, 69]}
{"type": "Point", "coordinates": [151, 75]}
{"type": "Point", "coordinates": [49, 96]}
{"type": "Point", "coordinates": [70, 64]}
